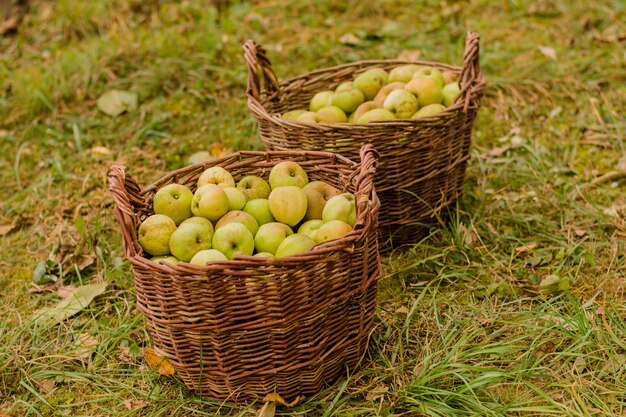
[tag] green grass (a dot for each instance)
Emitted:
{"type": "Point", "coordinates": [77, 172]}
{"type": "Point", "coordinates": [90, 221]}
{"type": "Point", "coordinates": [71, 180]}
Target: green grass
{"type": "Point", "coordinates": [461, 329]}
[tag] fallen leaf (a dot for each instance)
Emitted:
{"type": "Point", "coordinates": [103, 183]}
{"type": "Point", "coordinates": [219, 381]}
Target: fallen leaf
{"type": "Point", "coordinates": [580, 232]}
{"type": "Point", "coordinates": [134, 404]}
{"type": "Point", "coordinates": [376, 392]}
{"type": "Point", "coordinates": [80, 299]}
{"type": "Point", "coordinates": [65, 291]}
{"type": "Point", "coordinates": [199, 157]}
{"type": "Point", "coordinates": [557, 397]}
{"type": "Point", "coordinates": [100, 152]}
{"type": "Point", "coordinates": [350, 39]}
{"type": "Point", "coordinates": [547, 51]}
{"type": "Point", "coordinates": [116, 102]}
{"type": "Point", "coordinates": [158, 363]}
{"type": "Point", "coordinates": [276, 398]}
{"type": "Point", "coordinates": [413, 55]}
{"type": "Point", "coordinates": [85, 343]}
{"type": "Point", "coordinates": [495, 152]}
{"type": "Point", "coordinates": [46, 385]}
{"type": "Point", "coordinates": [6, 228]}
{"type": "Point", "coordinates": [527, 248]}
{"type": "Point", "coordinates": [218, 150]}
{"type": "Point", "coordinates": [10, 24]}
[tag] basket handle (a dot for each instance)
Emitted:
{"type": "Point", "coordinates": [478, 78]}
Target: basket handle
{"type": "Point", "coordinates": [125, 190]}
{"type": "Point", "coordinates": [470, 72]}
{"type": "Point", "coordinates": [256, 58]}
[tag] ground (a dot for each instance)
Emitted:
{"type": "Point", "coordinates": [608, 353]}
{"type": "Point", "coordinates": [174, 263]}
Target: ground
{"type": "Point", "coordinates": [461, 328]}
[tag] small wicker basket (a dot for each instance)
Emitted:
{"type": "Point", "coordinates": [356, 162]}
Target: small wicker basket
{"type": "Point", "coordinates": [240, 329]}
{"type": "Point", "coordinates": [422, 162]}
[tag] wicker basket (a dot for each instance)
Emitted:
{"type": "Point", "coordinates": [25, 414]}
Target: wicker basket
{"type": "Point", "coordinates": [422, 166]}
{"type": "Point", "coordinates": [238, 330]}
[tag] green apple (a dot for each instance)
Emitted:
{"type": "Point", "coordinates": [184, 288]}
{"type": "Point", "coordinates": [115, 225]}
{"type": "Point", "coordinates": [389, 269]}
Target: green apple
{"type": "Point", "coordinates": [347, 85]}
{"type": "Point", "coordinates": [375, 115]}
{"type": "Point", "coordinates": [403, 73]}
{"type": "Point", "coordinates": [341, 207]}
{"type": "Point", "coordinates": [238, 217]}
{"type": "Point", "coordinates": [254, 187]}
{"type": "Point", "coordinates": [307, 117]}
{"type": "Point", "coordinates": [450, 92]}
{"type": "Point", "coordinates": [401, 103]}
{"type": "Point", "coordinates": [189, 239]}
{"type": "Point", "coordinates": [154, 234]}
{"type": "Point", "coordinates": [173, 200]}
{"type": "Point", "coordinates": [292, 115]}
{"type": "Point", "coordinates": [236, 198]}
{"type": "Point", "coordinates": [317, 194]}
{"type": "Point", "coordinates": [288, 173]}
{"type": "Point", "coordinates": [362, 109]}
{"type": "Point", "coordinates": [310, 228]}
{"type": "Point", "coordinates": [294, 244]}
{"type": "Point", "coordinates": [384, 92]}
{"type": "Point", "coordinates": [449, 77]}
{"type": "Point", "coordinates": [259, 208]}
{"type": "Point", "coordinates": [233, 239]}
{"type": "Point", "coordinates": [348, 100]}
{"type": "Point", "coordinates": [319, 100]}
{"type": "Point", "coordinates": [429, 110]}
{"type": "Point", "coordinates": [331, 114]}
{"type": "Point", "coordinates": [334, 229]}
{"type": "Point", "coordinates": [427, 91]}
{"type": "Point", "coordinates": [172, 260]}
{"type": "Point", "coordinates": [216, 175]}
{"type": "Point", "coordinates": [208, 255]}
{"type": "Point", "coordinates": [370, 81]}
{"type": "Point", "coordinates": [263, 255]}
{"type": "Point", "coordinates": [430, 72]}
{"type": "Point", "coordinates": [270, 235]}
{"type": "Point", "coordinates": [288, 204]}
{"type": "Point", "coordinates": [198, 220]}
{"type": "Point", "coordinates": [209, 201]}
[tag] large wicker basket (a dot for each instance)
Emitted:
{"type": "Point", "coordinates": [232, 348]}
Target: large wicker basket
{"type": "Point", "coordinates": [238, 330]}
{"type": "Point", "coordinates": [422, 166]}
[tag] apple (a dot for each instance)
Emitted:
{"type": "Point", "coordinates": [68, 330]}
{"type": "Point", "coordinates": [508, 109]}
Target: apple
{"type": "Point", "coordinates": [263, 255]}
{"type": "Point", "coordinates": [236, 198]}
{"type": "Point", "coordinates": [403, 73]}
{"type": "Point", "coordinates": [319, 100]}
{"type": "Point", "coordinates": [259, 208]}
{"type": "Point", "coordinates": [310, 228]}
{"type": "Point", "coordinates": [449, 77]}
{"type": "Point", "coordinates": [154, 234]}
{"type": "Point", "coordinates": [317, 194]}
{"type": "Point", "coordinates": [238, 216]}
{"type": "Point", "coordinates": [292, 115]}
{"type": "Point", "coordinates": [334, 229]}
{"type": "Point", "coordinates": [307, 117]}
{"type": "Point", "coordinates": [207, 255]}
{"type": "Point", "coordinates": [341, 207]}
{"type": "Point", "coordinates": [293, 245]}
{"type": "Point", "coordinates": [347, 85]}
{"type": "Point", "coordinates": [426, 90]}
{"type": "Point", "coordinates": [189, 239]}
{"type": "Point", "coordinates": [288, 173]}
{"type": "Point", "coordinates": [376, 114]}
{"type": "Point", "coordinates": [198, 220]}
{"type": "Point", "coordinates": [209, 201]}
{"type": "Point", "coordinates": [331, 114]}
{"type": "Point", "coordinates": [270, 235]}
{"type": "Point", "coordinates": [348, 100]}
{"type": "Point", "coordinates": [216, 175]}
{"type": "Point", "coordinates": [450, 92]}
{"type": "Point", "coordinates": [233, 239]}
{"type": "Point", "coordinates": [401, 103]}
{"type": "Point", "coordinates": [288, 204]}
{"type": "Point", "coordinates": [172, 260]}
{"type": "Point", "coordinates": [429, 110]}
{"type": "Point", "coordinates": [430, 72]}
{"type": "Point", "coordinates": [370, 81]}
{"type": "Point", "coordinates": [362, 109]}
{"type": "Point", "coordinates": [384, 92]}
{"type": "Point", "coordinates": [253, 187]}
{"type": "Point", "coordinates": [174, 201]}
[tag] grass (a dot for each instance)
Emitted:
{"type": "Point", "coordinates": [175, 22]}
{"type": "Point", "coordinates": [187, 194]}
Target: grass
{"type": "Point", "coordinates": [461, 329]}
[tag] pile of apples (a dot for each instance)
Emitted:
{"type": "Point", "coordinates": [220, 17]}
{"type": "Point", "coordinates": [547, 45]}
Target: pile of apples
{"type": "Point", "coordinates": [406, 92]}
{"type": "Point", "coordinates": [253, 218]}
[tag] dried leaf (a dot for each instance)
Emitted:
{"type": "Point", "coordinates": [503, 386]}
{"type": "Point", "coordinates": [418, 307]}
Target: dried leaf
{"type": "Point", "coordinates": [6, 228]}
{"type": "Point", "coordinates": [527, 248]}
{"type": "Point", "coordinates": [134, 404]}
{"type": "Point", "coordinates": [218, 150]}
{"type": "Point", "coordinates": [116, 102]}
{"type": "Point", "coordinates": [547, 51]}
{"type": "Point", "coordinates": [158, 363]}
{"type": "Point", "coordinates": [413, 55]}
{"type": "Point", "coordinates": [199, 157]}
{"type": "Point", "coordinates": [10, 24]}
{"type": "Point", "coordinates": [46, 385]}
{"type": "Point", "coordinates": [580, 232]}
{"type": "Point", "coordinates": [557, 397]}
{"type": "Point", "coordinates": [100, 152]}
{"type": "Point", "coordinates": [84, 344]}
{"type": "Point", "coordinates": [65, 291]}
{"type": "Point", "coordinates": [495, 152]}
{"type": "Point", "coordinates": [80, 299]}
{"type": "Point", "coordinates": [376, 392]}
{"type": "Point", "coordinates": [350, 39]}
{"type": "Point", "coordinates": [276, 398]}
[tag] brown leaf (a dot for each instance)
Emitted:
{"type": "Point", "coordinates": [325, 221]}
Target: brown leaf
{"type": "Point", "coordinates": [134, 404]}
{"type": "Point", "coordinates": [10, 24]}
{"type": "Point", "coordinates": [46, 385]}
{"type": "Point", "coordinates": [557, 397]}
{"type": "Point", "coordinates": [124, 355]}
{"type": "Point", "coordinates": [350, 39]}
{"type": "Point", "coordinates": [218, 150]}
{"type": "Point", "coordinates": [52, 287]}
{"type": "Point", "coordinates": [580, 232]}
{"type": "Point", "coordinates": [84, 344]}
{"type": "Point", "coordinates": [160, 364]}
{"type": "Point", "coordinates": [495, 152]}
{"type": "Point", "coordinates": [65, 291]}
{"type": "Point", "coordinates": [527, 248]}
{"type": "Point", "coordinates": [413, 55]}
{"type": "Point", "coordinates": [377, 392]}
{"type": "Point", "coordinates": [276, 398]}
{"type": "Point", "coordinates": [6, 228]}
{"type": "Point", "coordinates": [547, 51]}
